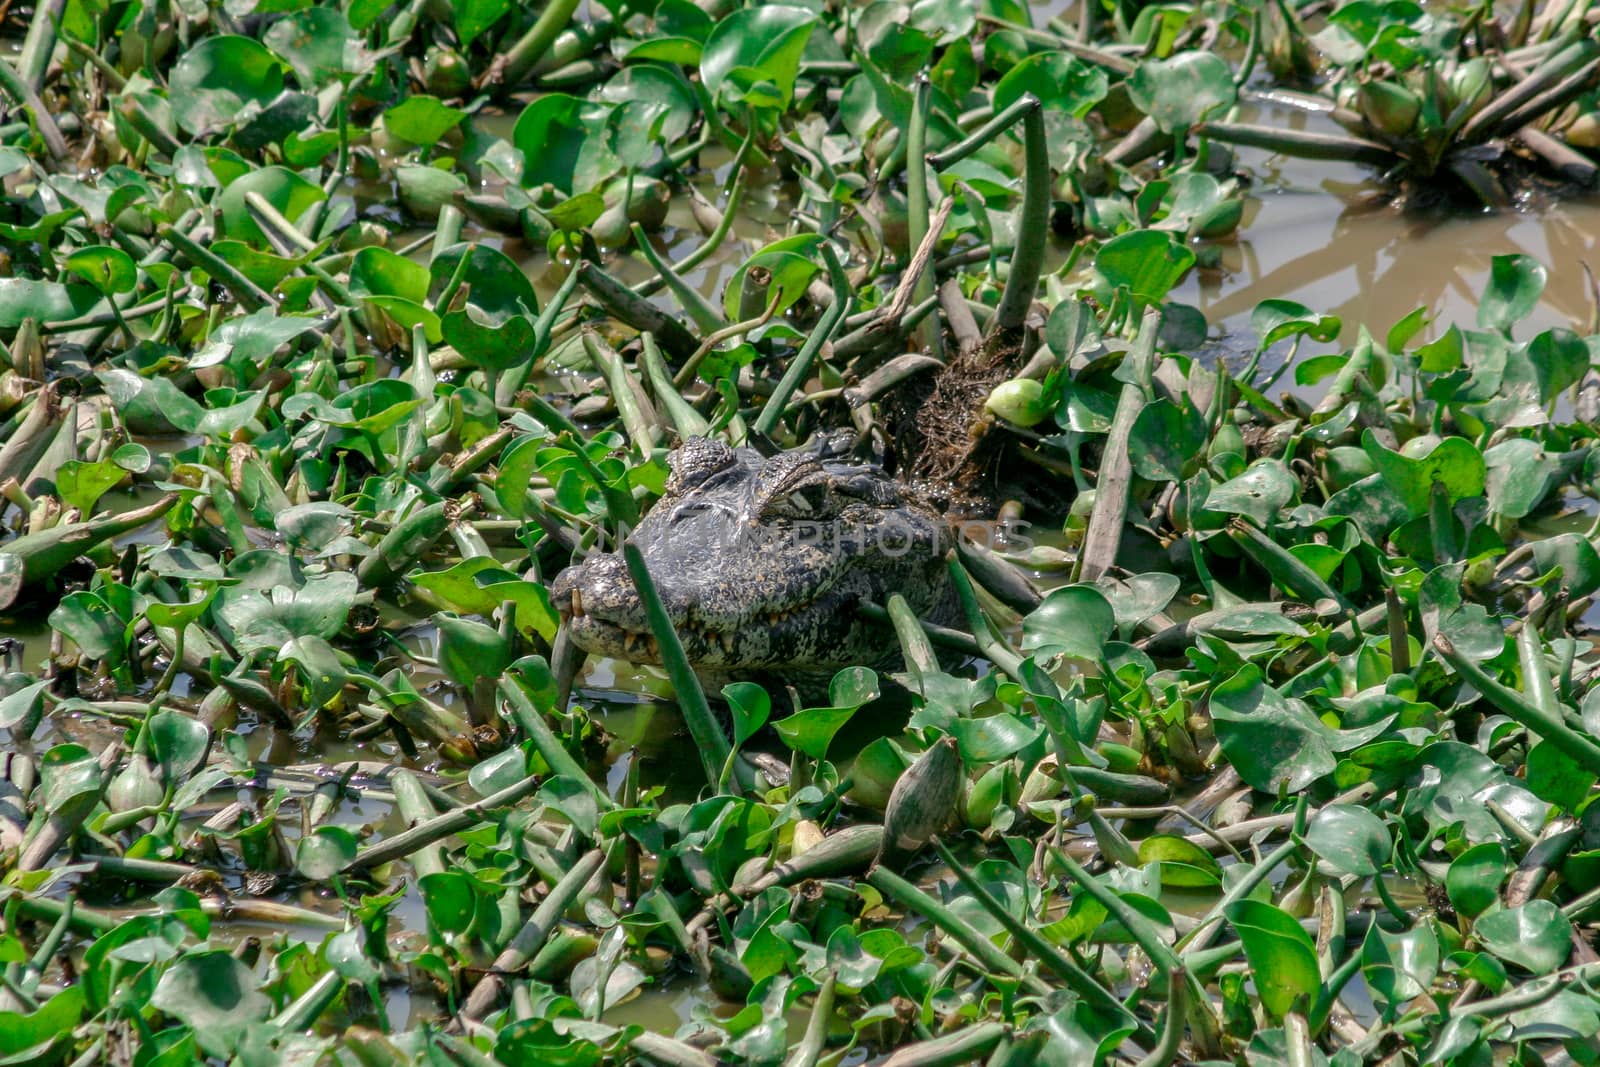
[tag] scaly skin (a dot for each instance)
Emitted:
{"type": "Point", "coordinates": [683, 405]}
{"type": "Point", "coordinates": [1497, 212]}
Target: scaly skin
{"type": "Point", "coordinates": [761, 561]}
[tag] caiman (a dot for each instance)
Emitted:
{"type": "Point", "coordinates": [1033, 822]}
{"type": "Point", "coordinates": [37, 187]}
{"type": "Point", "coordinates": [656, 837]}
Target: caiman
{"type": "Point", "coordinates": [760, 562]}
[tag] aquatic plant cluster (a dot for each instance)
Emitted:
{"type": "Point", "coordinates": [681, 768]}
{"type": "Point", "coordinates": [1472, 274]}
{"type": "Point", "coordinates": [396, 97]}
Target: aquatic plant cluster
{"type": "Point", "coordinates": [1274, 741]}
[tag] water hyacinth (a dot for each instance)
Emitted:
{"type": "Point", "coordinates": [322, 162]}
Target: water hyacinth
{"type": "Point", "coordinates": [1013, 628]}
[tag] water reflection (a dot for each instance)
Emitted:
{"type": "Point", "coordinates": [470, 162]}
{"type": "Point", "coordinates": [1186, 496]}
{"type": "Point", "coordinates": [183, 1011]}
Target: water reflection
{"type": "Point", "coordinates": [1324, 235]}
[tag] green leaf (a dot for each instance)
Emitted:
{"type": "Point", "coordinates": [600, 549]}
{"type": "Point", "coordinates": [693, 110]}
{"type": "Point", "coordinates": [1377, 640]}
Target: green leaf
{"type": "Point", "coordinates": [577, 212]}
{"type": "Point", "coordinates": [27, 1035]}
{"type": "Point", "coordinates": [487, 343]}
{"type": "Point", "coordinates": [1519, 477]}
{"type": "Point", "coordinates": [1516, 282]}
{"type": "Point", "coordinates": [792, 268]}
{"type": "Point", "coordinates": [318, 43]}
{"type": "Point", "coordinates": [1443, 354]}
{"type": "Point", "coordinates": [766, 41]}
{"type": "Point", "coordinates": [1350, 840]}
{"type": "Point", "coordinates": [213, 83]}
{"type": "Point", "coordinates": [655, 85]}
{"type": "Point", "coordinates": [108, 268]}
{"type": "Point", "coordinates": [1057, 79]}
{"type": "Point", "coordinates": [1271, 740]}
{"type": "Point", "coordinates": [1264, 489]}
{"type": "Point", "coordinates": [215, 995]}
{"type": "Point", "coordinates": [1454, 461]}
{"type": "Point", "coordinates": [1279, 320]}
{"type": "Point", "coordinates": [1474, 878]}
{"type": "Point", "coordinates": [1148, 263]}
{"type": "Point", "coordinates": [449, 900]}
{"type": "Point", "coordinates": [318, 665]}
{"type": "Point", "coordinates": [472, 17]}
{"type": "Point", "coordinates": [156, 405]}
{"type": "Point", "coordinates": [1184, 865]}
{"type": "Point", "coordinates": [1556, 360]}
{"type": "Point", "coordinates": [377, 271]}
{"type": "Point", "coordinates": [500, 771]}
{"type": "Point", "coordinates": [422, 119]}
{"type": "Point", "coordinates": [279, 186]}
{"type": "Point", "coordinates": [179, 743]}
{"type": "Point", "coordinates": [562, 142]}
{"type": "Point", "coordinates": [480, 585]}
{"type": "Point", "coordinates": [82, 484]}
{"type": "Point", "coordinates": [1534, 936]}
{"type": "Point", "coordinates": [1184, 90]}
{"type": "Point", "coordinates": [499, 287]}
{"type": "Point", "coordinates": [20, 711]}
{"type": "Point", "coordinates": [992, 738]}
{"type": "Point", "coordinates": [811, 730]}
{"type": "Point", "coordinates": [44, 302]}
{"type": "Point", "coordinates": [469, 650]}
{"type": "Point", "coordinates": [68, 777]}
{"type": "Point", "coordinates": [1075, 621]}
{"type": "Point", "coordinates": [1400, 967]}
{"type": "Point", "coordinates": [1282, 957]}
{"type": "Point", "coordinates": [325, 852]}
{"type": "Point", "coordinates": [93, 625]}
{"type": "Point", "coordinates": [276, 602]}
{"type": "Point", "coordinates": [1165, 439]}
{"type": "Point", "coordinates": [750, 707]}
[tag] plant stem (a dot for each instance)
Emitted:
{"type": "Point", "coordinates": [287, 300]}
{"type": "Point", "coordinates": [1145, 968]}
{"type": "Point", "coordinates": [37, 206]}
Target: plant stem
{"type": "Point", "coordinates": [521, 58]}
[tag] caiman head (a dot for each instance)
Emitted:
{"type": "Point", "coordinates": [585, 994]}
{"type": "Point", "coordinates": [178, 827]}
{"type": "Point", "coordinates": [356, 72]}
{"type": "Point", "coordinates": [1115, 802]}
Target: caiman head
{"type": "Point", "coordinates": [760, 563]}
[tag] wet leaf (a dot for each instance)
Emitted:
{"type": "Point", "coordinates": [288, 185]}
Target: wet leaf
{"type": "Point", "coordinates": [1515, 284]}
{"type": "Point", "coordinates": [215, 995]}
{"type": "Point", "coordinates": [1184, 90]}
{"type": "Point", "coordinates": [1282, 957]}
{"type": "Point", "coordinates": [1057, 80]}
{"type": "Point", "coordinates": [1474, 878]}
{"type": "Point", "coordinates": [1148, 263]}
{"type": "Point", "coordinates": [1350, 840]}
{"type": "Point", "coordinates": [214, 82]}
{"type": "Point", "coordinates": [757, 44]}
{"type": "Point", "coordinates": [109, 269]}
{"type": "Point", "coordinates": [1400, 966]}
{"type": "Point", "coordinates": [1263, 490]}
{"type": "Point", "coordinates": [1534, 936]}
{"type": "Point", "coordinates": [1272, 741]}
{"type": "Point", "coordinates": [1074, 621]}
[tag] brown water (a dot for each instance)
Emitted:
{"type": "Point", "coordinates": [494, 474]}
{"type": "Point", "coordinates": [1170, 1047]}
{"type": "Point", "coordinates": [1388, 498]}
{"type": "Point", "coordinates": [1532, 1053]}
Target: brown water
{"type": "Point", "coordinates": [1325, 235]}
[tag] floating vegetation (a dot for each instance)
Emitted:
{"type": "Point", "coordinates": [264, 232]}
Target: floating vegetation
{"type": "Point", "coordinates": [703, 534]}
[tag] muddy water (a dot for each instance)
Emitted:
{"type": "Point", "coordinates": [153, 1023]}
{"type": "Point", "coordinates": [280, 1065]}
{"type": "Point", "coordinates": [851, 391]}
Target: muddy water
{"type": "Point", "coordinates": [1325, 235]}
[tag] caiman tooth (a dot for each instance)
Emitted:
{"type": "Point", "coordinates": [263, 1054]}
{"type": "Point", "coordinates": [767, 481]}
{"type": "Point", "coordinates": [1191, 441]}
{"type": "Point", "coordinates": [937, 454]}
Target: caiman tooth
{"type": "Point", "coordinates": [577, 602]}
{"type": "Point", "coordinates": [726, 638]}
{"type": "Point", "coordinates": [921, 804]}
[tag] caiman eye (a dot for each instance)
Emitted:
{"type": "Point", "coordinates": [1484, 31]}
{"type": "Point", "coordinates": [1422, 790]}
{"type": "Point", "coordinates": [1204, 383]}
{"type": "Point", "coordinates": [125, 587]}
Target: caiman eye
{"type": "Point", "coordinates": [808, 501]}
